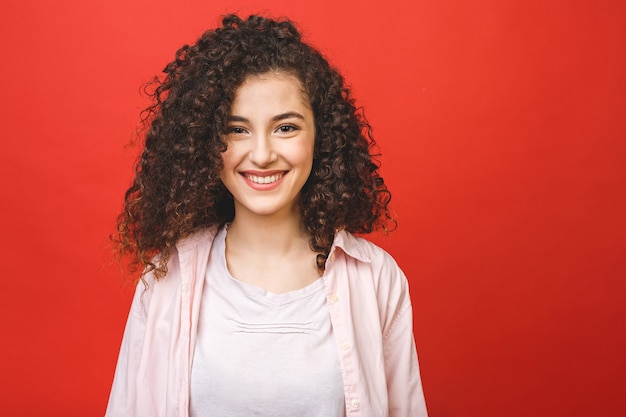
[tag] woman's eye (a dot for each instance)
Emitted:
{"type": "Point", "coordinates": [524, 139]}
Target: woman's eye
{"type": "Point", "coordinates": [287, 128]}
{"type": "Point", "coordinates": [236, 130]}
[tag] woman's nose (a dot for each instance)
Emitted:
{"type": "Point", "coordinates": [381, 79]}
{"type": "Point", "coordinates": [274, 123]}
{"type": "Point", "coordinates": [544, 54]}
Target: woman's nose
{"type": "Point", "coordinates": [262, 153]}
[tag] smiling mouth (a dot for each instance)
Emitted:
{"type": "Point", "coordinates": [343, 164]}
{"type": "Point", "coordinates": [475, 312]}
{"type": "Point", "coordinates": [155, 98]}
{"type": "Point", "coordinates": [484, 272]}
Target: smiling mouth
{"type": "Point", "coordinates": [264, 180]}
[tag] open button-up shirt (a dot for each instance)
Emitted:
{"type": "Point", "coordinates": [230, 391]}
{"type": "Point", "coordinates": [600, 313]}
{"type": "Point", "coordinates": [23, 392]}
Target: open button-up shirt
{"type": "Point", "coordinates": [371, 316]}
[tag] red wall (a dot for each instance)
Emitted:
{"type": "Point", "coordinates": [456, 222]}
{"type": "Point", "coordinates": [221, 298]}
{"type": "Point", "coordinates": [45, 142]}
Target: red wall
{"type": "Point", "coordinates": [503, 127]}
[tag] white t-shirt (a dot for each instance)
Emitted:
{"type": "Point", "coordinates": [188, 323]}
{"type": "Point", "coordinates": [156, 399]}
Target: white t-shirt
{"type": "Point", "coordinates": [263, 354]}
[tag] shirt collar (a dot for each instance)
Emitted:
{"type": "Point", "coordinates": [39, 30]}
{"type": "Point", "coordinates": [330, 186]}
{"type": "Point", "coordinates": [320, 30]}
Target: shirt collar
{"type": "Point", "coordinates": [199, 238]}
{"type": "Point", "coordinates": [350, 245]}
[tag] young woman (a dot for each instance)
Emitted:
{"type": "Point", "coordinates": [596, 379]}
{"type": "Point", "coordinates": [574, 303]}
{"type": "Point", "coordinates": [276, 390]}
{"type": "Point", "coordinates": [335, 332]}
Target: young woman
{"type": "Point", "coordinates": [256, 299]}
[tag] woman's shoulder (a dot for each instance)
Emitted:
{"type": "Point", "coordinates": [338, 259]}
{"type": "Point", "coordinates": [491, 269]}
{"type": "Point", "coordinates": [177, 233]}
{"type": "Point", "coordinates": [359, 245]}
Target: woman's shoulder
{"type": "Point", "coordinates": [189, 248]}
{"type": "Point", "coordinates": [199, 239]}
{"type": "Point", "coordinates": [372, 262]}
{"type": "Point", "coordinates": [374, 272]}
{"type": "Point", "coordinates": [364, 250]}
{"type": "Point", "coordinates": [184, 261]}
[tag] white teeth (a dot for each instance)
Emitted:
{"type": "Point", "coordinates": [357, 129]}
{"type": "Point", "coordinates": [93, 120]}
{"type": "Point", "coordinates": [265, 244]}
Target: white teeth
{"type": "Point", "coordinates": [264, 180]}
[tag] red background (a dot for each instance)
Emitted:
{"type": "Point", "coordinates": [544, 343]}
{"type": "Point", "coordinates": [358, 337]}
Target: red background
{"type": "Point", "coordinates": [503, 127]}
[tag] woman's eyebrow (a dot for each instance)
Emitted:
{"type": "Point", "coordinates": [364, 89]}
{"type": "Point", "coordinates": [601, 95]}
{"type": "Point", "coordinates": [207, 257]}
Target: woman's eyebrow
{"type": "Point", "coordinates": [233, 118]}
{"type": "Point", "coordinates": [278, 117]}
{"type": "Point", "coordinates": [287, 115]}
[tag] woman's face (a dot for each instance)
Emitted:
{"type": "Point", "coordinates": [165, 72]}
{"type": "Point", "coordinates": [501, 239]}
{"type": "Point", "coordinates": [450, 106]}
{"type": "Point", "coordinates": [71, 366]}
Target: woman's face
{"type": "Point", "coordinates": [270, 139]}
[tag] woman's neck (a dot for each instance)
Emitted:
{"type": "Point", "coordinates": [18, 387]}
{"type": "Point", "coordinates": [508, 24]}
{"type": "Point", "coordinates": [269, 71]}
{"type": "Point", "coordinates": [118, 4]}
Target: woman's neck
{"type": "Point", "coordinates": [270, 252]}
{"type": "Point", "coordinates": [268, 235]}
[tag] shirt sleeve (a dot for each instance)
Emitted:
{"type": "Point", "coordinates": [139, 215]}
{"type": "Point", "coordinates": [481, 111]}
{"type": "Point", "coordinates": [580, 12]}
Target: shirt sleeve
{"type": "Point", "coordinates": [123, 399]}
{"type": "Point", "coordinates": [404, 384]}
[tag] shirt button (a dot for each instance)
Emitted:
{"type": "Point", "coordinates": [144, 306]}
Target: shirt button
{"type": "Point", "coordinates": [334, 298]}
{"type": "Point", "coordinates": [345, 346]}
{"type": "Point", "coordinates": [354, 403]}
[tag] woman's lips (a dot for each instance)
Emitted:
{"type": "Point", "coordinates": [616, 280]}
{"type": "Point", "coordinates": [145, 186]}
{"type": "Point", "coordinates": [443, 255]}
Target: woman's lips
{"type": "Point", "coordinates": [263, 181]}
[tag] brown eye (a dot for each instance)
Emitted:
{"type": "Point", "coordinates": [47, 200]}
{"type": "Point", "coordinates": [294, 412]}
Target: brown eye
{"type": "Point", "coordinates": [287, 128]}
{"type": "Point", "coordinates": [236, 130]}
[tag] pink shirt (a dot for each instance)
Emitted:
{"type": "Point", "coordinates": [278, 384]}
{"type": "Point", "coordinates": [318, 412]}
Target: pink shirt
{"type": "Point", "coordinates": [370, 310]}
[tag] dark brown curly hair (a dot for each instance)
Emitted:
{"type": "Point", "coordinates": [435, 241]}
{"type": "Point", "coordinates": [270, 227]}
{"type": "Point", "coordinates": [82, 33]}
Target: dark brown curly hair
{"type": "Point", "coordinates": [177, 189]}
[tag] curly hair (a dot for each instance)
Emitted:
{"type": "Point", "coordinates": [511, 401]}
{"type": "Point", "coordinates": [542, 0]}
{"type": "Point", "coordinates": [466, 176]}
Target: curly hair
{"type": "Point", "coordinates": [177, 188]}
